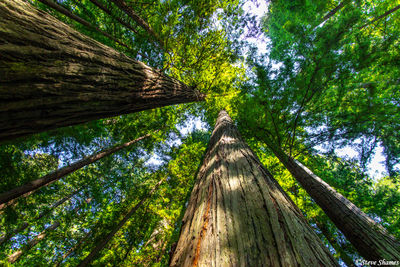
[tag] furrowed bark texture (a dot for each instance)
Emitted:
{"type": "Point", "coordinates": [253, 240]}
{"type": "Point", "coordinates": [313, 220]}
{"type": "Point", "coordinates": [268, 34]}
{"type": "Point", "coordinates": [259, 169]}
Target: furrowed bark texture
{"type": "Point", "coordinates": [238, 215]}
{"type": "Point", "coordinates": [370, 239]}
{"type": "Point", "coordinates": [53, 76]}
{"type": "Point", "coordinates": [26, 189]}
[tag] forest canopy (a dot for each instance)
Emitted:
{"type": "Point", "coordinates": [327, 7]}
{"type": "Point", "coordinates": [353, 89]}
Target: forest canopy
{"type": "Point", "coordinates": [108, 111]}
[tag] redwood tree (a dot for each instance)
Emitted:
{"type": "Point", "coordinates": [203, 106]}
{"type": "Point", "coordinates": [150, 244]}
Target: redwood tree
{"type": "Point", "coordinates": [53, 76]}
{"type": "Point", "coordinates": [370, 239]}
{"type": "Point", "coordinates": [238, 215]}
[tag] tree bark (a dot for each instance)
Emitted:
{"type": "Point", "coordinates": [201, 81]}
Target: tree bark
{"type": "Point", "coordinates": [369, 238]}
{"type": "Point", "coordinates": [27, 188]}
{"type": "Point", "coordinates": [107, 238]}
{"type": "Point", "coordinates": [53, 76]}
{"type": "Point", "coordinates": [141, 22]}
{"type": "Point", "coordinates": [238, 215]}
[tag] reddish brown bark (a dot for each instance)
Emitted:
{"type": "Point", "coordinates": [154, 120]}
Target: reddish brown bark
{"type": "Point", "coordinates": [238, 215]}
{"type": "Point", "coordinates": [27, 188]}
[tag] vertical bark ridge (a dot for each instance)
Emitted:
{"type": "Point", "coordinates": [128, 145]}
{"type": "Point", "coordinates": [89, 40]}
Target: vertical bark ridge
{"type": "Point", "coordinates": [252, 221]}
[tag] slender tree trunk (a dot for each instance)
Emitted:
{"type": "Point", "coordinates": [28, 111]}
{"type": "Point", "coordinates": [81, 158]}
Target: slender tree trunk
{"type": "Point", "coordinates": [16, 255]}
{"type": "Point", "coordinates": [53, 76]}
{"type": "Point", "coordinates": [41, 215]}
{"type": "Point", "coordinates": [238, 215]}
{"type": "Point", "coordinates": [387, 13]}
{"type": "Point", "coordinates": [141, 22]}
{"type": "Point", "coordinates": [370, 239]}
{"type": "Point", "coordinates": [332, 240]}
{"type": "Point", "coordinates": [107, 11]}
{"type": "Point", "coordinates": [26, 189]}
{"type": "Point", "coordinates": [107, 238]}
{"type": "Point", "coordinates": [77, 245]}
{"type": "Point", "coordinates": [67, 13]}
{"type": "Point", "coordinates": [334, 11]}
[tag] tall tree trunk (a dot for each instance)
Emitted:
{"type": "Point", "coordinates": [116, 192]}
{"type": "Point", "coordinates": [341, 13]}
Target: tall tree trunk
{"type": "Point", "coordinates": [25, 225]}
{"type": "Point", "coordinates": [16, 255]}
{"type": "Point", "coordinates": [332, 240]}
{"type": "Point", "coordinates": [370, 239]}
{"type": "Point", "coordinates": [238, 215]}
{"type": "Point", "coordinates": [332, 12]}
{"type": "Point", "coordinates": [387, 13]}
{"type": "Point", "coordinates": [53, 76]}
{"type": "Point", "coordinates": [26, 189]}
{"type": "Point", "coordinates": [108, 11]}
{"type": "Point", "coordinates": [107, 238]}
{"type": "Point", "coordinates": [72, 249]}
{"type": "Point", "coordinates": [141, 22]}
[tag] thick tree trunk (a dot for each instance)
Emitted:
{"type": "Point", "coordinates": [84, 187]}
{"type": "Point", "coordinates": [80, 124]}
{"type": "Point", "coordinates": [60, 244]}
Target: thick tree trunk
{"type": "Point", "coordinates": [26, 189]}
{"type": "Point", "coordinates": [332, 240]}
{"type": "Point", "coordinates": [53, 76]}
{"type": "Point", "coordinates": [107, 238]}
{"type": "Point", "coordinates": [141, 22]}
{"type": "Point", "coordinates": [369, 238]}
{"type": "Point", "coordinates": [238, 215]}
{"type": "Point", "coordinates": [25, 225]}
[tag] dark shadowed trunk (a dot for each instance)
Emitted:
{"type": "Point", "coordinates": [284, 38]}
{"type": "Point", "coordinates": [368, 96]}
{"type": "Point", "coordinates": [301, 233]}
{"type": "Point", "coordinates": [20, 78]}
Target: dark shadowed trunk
{"type": "Point", "coordinates": [107, 238]}
{"type": "Point", "coordinates": [238, 215]}
{"type": "Point", "coordinates": [53, 76]}
{"type": "Point", "coordinates": [369, 238]}
{"type": "Point", "coordinates": [26, 189]}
